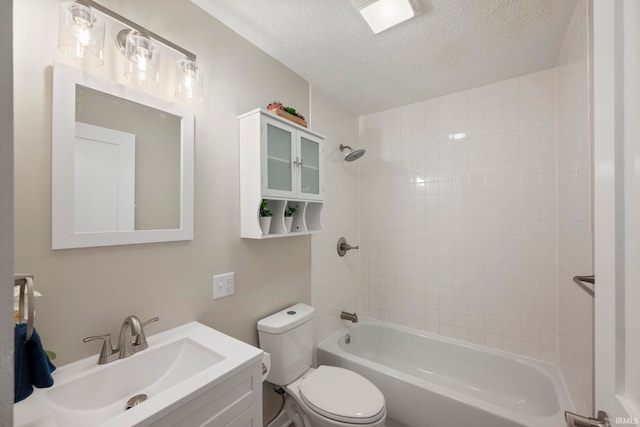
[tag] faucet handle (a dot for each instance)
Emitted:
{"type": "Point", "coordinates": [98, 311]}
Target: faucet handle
{"type": "Point", "coordinates": [154, 319]}
{"type": "Point", "coordinates": [106, 351]}
{"type": "Point", "coordinates": [344, 247]}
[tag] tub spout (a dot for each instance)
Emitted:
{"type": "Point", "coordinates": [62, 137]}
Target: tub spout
{"type": "Point", "coordinates": [349, 316]}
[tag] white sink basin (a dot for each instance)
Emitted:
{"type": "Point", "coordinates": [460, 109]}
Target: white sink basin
{"type": "Point", "coordinates": [177, 364]}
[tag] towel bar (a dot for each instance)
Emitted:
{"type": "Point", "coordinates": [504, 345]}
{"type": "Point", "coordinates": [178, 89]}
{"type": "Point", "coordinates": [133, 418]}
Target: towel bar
{"type": "Point", "coordinates": [580, 280]}
{"type": "Point", "coordinates": [26, 280]}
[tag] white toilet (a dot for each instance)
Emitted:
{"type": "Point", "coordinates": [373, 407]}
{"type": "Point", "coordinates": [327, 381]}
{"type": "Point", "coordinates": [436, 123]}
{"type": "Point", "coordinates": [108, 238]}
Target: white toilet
{"type": "Point", "coordinates": [322, 397]}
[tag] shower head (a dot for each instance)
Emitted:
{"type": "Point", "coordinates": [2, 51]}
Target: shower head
{"type": "Point", "coordinates": [353, 154]}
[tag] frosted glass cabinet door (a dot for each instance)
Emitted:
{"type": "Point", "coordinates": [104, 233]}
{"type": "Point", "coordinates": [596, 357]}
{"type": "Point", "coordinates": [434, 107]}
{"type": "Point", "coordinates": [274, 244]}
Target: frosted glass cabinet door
{"type": "Point", "coordinates": [311, 168]}
{"type": "Point", "coordinates": [278, 172]}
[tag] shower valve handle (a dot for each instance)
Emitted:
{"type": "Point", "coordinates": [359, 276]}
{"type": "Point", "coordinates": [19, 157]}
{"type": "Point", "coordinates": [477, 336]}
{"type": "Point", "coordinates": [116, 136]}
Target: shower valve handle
{"type": "Point", "coordinates": [343, 246]}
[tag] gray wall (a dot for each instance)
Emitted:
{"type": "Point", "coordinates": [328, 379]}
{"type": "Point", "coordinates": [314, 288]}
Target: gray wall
{"type": "Point", "coordinates": [90, 291]}
{"type": "Point", "coordinates": [6, 215]}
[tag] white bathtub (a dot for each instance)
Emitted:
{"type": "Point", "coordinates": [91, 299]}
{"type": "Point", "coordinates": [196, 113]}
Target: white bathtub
{"type": "Point", "coordinates": [433, 381]}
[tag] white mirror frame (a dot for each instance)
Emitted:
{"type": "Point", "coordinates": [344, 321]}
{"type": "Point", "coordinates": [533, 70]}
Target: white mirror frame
{"type": "Point", "coordinates": [63, 235]}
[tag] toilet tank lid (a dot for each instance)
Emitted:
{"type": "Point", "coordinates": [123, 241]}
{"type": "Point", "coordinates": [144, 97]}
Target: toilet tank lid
{"type": "Point", "coordinates": [286, 319]}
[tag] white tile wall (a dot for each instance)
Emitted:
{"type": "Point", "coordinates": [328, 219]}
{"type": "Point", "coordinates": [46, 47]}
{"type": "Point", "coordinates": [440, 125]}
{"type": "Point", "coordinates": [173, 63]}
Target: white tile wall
{"type": "Point", "coordinates": [334, 280]}
{"type": "Point", "coordinates": [459, 235]}
{"type": "Point", "coordinates": [478, 237]}
{"type": "Point", "coordinates": [575, 238]}
{"type": "Point", "coordinates": [475, 212]}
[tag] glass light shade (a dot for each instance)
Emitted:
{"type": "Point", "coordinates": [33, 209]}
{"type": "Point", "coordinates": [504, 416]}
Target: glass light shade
{"type": "Point", "coordinates": [141, 59]}
{"type": "Point", "coordinates": [189, 81]}
{"type": "Point", "coordinates": [80, 33]}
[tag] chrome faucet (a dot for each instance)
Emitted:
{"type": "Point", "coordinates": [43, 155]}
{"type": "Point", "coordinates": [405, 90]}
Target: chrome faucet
{"type": "Point", "coordinates": [131, 340]}
{"type": "Point", "coordinates": [140, 342]}
{"type": "Point", "coordinates": [353, 317]}
{"type": "Point", "coordinates": [131, 327]}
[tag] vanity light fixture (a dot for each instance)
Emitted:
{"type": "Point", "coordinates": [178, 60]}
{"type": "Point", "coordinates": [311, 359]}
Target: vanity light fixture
{"type": "Point", "coordinates": [188, 80]}
{"type": "Point", "coordinates": [141, 58]}
{"type": "Point", "coordinates": [81, 34]}
{"type": "Point", "coordinates": [381, 15]}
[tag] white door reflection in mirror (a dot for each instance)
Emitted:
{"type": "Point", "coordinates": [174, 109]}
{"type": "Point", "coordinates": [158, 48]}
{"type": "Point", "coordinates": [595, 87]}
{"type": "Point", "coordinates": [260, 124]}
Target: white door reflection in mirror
{"type": "Point", "coordinates": [104, 167]}
{"type": "Point", "coordinates": [157, 133]}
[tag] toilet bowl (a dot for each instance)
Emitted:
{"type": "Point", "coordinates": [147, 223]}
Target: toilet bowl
{"type": "Point", "coordinates": [324, 397]}
{"type": "Point", "coordinates": [334, 397]}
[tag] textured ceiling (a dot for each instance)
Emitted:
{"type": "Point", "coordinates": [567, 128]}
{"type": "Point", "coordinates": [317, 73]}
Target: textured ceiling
{"type": "Point", "coordinates": [454, 45]}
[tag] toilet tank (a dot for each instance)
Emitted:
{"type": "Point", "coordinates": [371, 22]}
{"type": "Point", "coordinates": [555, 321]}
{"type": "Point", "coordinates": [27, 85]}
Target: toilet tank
{"type": "Point", "coordinates": [288, 336]}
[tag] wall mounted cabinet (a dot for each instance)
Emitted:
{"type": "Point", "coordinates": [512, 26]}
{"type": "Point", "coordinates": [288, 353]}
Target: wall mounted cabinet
{"type": "Point", "coordinates": [282, 163]}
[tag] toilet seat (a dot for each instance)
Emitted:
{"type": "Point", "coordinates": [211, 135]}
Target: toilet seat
{"type": "Point", "coordinates": [342, 395]}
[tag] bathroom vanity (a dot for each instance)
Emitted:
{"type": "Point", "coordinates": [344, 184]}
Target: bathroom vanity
{"type": "Point", "coordinates": [192, 375]}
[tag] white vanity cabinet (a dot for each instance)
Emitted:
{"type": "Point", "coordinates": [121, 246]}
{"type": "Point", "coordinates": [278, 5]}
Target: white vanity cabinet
{"type": "Point", "coordinates": [282, 163]}
{"type": "Point", "coordinates": [237, 401]}
{"type": "Point", "coordinates": [192, 375]}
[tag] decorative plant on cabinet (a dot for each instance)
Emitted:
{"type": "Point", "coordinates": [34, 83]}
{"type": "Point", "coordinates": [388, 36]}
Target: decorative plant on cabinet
{"type": "Point", "coordinates": [288, 216]}
{"type": "Point", "coordinates": [265, 216]}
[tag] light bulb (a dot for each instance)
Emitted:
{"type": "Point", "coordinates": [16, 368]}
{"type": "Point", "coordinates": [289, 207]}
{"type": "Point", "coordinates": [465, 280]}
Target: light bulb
{"type": "Point", "coordinates": [82, 35]}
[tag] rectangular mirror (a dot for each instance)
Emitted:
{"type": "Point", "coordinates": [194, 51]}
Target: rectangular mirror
{"type": "Point", "coordinates": [122, 164]}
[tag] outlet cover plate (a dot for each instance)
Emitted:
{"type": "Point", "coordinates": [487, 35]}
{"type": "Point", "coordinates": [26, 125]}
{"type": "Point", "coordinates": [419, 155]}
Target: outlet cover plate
{"type": "Point", "coordinates": [223, 285]}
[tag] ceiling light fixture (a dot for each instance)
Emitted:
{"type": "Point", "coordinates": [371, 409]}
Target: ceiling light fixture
{"type": "Point", "coordinates": [381, 15]}
{"type": "Point", "coordinates": [81, 32]}
{"type": "Point", "coordinates": [457, 136]}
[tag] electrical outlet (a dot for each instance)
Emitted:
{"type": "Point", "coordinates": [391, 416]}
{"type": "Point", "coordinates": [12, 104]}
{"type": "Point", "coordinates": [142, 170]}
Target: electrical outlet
{"type": "Point", "coordinates": [223, 285]}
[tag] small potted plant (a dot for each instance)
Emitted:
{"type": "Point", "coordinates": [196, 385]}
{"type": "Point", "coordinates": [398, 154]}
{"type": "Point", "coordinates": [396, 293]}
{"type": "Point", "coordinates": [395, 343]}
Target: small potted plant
{"type": "Point", "coordinates": [288, 113]}
{"type": "Point", "coordinates": [265, 216]}
{"type": "Point", "coordinates": [288, 216]}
